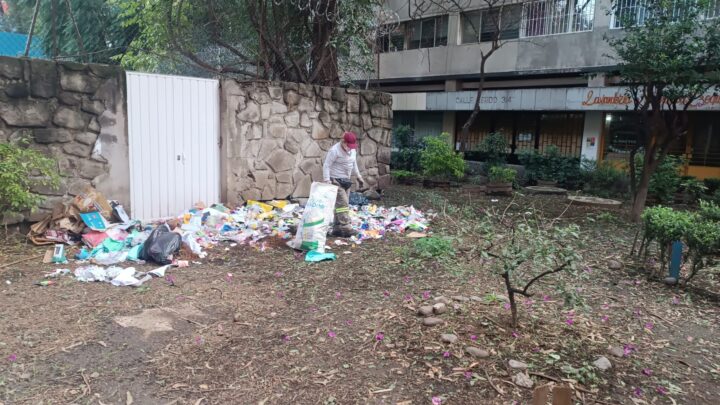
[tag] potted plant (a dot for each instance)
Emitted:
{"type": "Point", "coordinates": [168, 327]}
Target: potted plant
{"type": "Point", "coordinates": [440, 163]}
{"type": "Point", "coordinates": [500, 180]}
{"type": "Point", "coordinates": [475, 185]}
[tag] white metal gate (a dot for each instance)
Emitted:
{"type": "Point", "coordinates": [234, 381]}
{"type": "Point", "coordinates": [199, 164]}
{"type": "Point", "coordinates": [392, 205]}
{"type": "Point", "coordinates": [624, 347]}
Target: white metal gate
{"type": "Point", "coordinates": [173, 127]}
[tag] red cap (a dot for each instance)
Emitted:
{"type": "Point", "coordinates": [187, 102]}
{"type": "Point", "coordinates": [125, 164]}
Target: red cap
{"type": "Point", "coordinates": [350, 140]}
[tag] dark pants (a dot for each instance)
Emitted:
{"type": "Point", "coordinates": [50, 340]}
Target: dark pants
{"type": "Point", "coordinates": [342, 225]}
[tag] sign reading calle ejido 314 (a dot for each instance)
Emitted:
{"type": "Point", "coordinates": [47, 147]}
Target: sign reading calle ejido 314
{"type": "Point", "coordinates": [564, 99]}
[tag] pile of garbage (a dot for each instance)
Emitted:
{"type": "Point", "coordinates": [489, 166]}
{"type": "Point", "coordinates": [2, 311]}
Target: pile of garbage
{"type": "Point", "coordinates": [106, 236]}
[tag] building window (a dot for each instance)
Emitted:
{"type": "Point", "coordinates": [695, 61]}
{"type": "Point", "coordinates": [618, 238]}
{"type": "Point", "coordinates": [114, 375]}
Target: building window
{"type": "Point", "coordinates": [706, 141]}
{"type": "Point", "coordinates": [427, 33]}
{"type": "Point", "coordinates": [637, 11]}
{"type": "Point", "coordinates": [483, 26]}
{"type": "Point", "coordinates": [548, 17]}
{"type": "Point", "coordinates": [392, 41]}
{"type": "Point", "coordinates": [620, 135]}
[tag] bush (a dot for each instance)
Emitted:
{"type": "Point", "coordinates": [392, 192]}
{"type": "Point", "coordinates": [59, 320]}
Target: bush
{"type": "Point", "coordinates": [438, 158]}
{"type": "Point", "coordinates": [406, 159]}
{"type": "Point", "coordinates": [21, 169]}
{"type": "Point", "coordinates": [403, 137]}
{"type": "Point", "coordinates": [403, 176]}
{"type": "Point", "coordinates": [665, 225]}
{"type": "Point", "coordinates": [552, 166]}
{"type": "Point", "coordinates": [434, 247]}
{"type": "Point", "coordinates": [666, 180]}
{"type": "Point", "coordinates": [494, 147]}
{"type": "Point", "coordinates": [709, 210]}
{"type": "Point", "coordinates": [605, 180]}
{"type": "Point", "coordinates": [693, 188]}
{"type": "Point", "coordinates": [500, 174]}
{"type": "Point", "coordinates": [712, 184]}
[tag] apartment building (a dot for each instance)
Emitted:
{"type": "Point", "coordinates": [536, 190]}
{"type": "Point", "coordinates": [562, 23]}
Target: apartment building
{"type": "Point", "coordinates": [545, 86]}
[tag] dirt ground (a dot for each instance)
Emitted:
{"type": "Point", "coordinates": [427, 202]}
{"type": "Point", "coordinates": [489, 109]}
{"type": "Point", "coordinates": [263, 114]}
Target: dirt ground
{"type": "Point", "coordinates": [246, 326]}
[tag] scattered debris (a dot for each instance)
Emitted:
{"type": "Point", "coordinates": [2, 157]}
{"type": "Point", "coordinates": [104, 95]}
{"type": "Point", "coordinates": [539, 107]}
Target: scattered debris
{"type": "Point", "coordinates": [602, 363]}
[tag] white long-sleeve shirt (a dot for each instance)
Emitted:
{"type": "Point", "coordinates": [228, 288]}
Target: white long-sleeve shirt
{"type": "Point", "coordinates": [340, 164]}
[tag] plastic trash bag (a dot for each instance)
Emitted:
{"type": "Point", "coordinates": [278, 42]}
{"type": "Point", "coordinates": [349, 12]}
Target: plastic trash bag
{"type": "Point", "coordinates": [358, 199]}
{"type": "Point", "coordinates": [192, 244]}
{"type": "Point", "coordinates": [161, 245]}
{"type": "Point", "coordinates": [318, 215]}
{"type": "Point", "coordinates": [315, 256]}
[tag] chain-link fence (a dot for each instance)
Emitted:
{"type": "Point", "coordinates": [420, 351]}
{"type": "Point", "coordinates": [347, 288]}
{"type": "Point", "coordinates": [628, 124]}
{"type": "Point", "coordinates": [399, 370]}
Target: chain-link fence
{"type": "Point", "coordinates": [75, 30]}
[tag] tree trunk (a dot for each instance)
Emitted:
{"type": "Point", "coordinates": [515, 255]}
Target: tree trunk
{"type": "Point", "coordinates": [476, 108]}
{"type": "Point", "coordinates": [511, 298]}
{"type": "Point", "coordinates": [323, 56]}
{"type": "Point", "coordinates": [641, 192]}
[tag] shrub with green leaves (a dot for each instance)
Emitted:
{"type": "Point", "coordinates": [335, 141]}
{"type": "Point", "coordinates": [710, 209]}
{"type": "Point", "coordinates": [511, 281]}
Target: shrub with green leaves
{"type": "Point", "coordinates": [552, 166]}
{"type": "Point", "coordinates": [700, 232]}
{"type": "Point", "coordinates": [709, 210]}
{"type": "Point", "coordinates": [21, 169]}
{"type": "Point", "coordinates": [495, 148]}
{"type": "Point", "coordinates": [438, 159]}
{"type": "Point", "coordinates": [499, 174]}
{"type": "Point", "coordinates": [666, 180]}
{"type": "Point", "coordinates": [604, 179]}
{"type": "Point", "coordinates": [434, 247]}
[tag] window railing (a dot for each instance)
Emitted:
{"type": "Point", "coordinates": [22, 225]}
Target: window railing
{"type": "Point", "coordinates": [637, 11]}
{"type": "Point", "coordinates": [549, 17]}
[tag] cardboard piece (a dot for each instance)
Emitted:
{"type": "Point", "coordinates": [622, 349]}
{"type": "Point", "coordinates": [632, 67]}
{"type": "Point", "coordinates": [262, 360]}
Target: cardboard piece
{"type": "Point", "coordinates": [94, 221]}
{"type": "Point", "coordinates": [55, 227]}
{"type": "Point", "coordinates": [92, 200]}
{"type": "Point", "coordinates": [561, 395]}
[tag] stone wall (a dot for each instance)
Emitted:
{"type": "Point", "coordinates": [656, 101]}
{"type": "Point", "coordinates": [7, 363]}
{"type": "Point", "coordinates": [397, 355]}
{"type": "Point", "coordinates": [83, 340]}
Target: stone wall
{"type": "Point", "coordinates": [275, 136]}
{"type": "Point", "coordinates": [74, 113]}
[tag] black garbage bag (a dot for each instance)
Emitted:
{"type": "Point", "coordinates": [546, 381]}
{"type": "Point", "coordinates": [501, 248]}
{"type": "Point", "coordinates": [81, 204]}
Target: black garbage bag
{"type": "Point", "coordinates": [358, 199]}
{"type": "Point", "coordinates": [161, 245]}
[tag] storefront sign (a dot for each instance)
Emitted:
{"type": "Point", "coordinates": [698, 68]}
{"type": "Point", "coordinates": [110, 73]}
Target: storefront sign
{"type": "Point", "coordinates": [563, 99]}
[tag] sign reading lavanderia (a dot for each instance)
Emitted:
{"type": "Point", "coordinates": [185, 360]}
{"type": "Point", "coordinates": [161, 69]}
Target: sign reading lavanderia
{"type": "Point", "coordinates": [567, 99]}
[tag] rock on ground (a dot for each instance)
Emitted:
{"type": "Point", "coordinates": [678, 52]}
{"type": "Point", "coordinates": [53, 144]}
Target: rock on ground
{"type": "Point", "coordinates": [477, 352]}
{"type": "Point", "coordinates": [523, 380]}
{"type": "Point", "coordinates": [614, 265]}
{"type": "Point", "coordinates": [439, 308]}
{"type": "Point", "coordinates": [517, 364]}
{"type": "Point", "coordinates": [602, 363]}
{"type": "Point", "coordinates": [448, 338]}
{"type": "Point", "coordinates": [616, 351]}
{"type": "Point", "coordinates": [432, 321]}
{"type": "Point", "coordinates": [425, 310]}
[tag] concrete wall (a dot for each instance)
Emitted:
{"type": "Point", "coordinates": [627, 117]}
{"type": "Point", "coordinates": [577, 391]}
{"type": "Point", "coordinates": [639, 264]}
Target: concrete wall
{"type": "Point", "coordinates": [275, 136]}
{"type": "Point", "coordinates": [73, 113]}
{"type": "Point", "coordinates": [568, 51]}
{"type": "Point", "coordinates": [592, 129]}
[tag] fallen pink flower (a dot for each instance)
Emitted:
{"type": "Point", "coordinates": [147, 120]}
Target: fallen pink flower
{"type": "Point", "coordinates": [278, 274]}
{"type": "Point", "coordinates": [408, 297]}
{"type": "Point", "coordinates": [628, 349]}
{"type": "Point", "coordinates": [386, 293]}
{"type": "Point", "coordinates": [661, 390]}
{"type": "Point", "coordinates": [12, 358]}
{"type": "Point", "coordinates": [446, 354]}
{"type": "Point", "coordinates": [649, 325]}
{"type": "Point", "coordinates": [468, 375]}
{"type": "Point", "coordinates": [286, 338]}
{"type": "Point", "coordinates": [331, 335]}
{"type": "Point", "coordinates": [546, 298]}
{"type": "Point", "coordinates": [605, 306]}
{"type": "Point", "coordinates": [406, 279]}
{"type": "Point", "coordinates": [473, 337]}
{"type": "Point", "coordinates": [348, 322]}
{"type": "Point", "coordinates": [506, 306]}
{"type": "Point", "coordinates": [569, 321]}
{"type": "Point", "coordinates": [676, 301]}
{"type": "Point", "coordinates": [604, 318]}
{"type": "Point", "coordinates": [515, 334]}
{"type": "Point", "coordinates": [638, 392]}
{"type": "Point", "coordinates": [379, 336]}
{"type": "Point", "coordinates": [338, 295]}
{"type": "Point", "coordinates": [648, 372]}
{"type": "Point", "coordinates": [426, 295]}
{"type": "Point", "coordinates": [199, 340]}
{"type": "Point", "coordinates": [436, 400]}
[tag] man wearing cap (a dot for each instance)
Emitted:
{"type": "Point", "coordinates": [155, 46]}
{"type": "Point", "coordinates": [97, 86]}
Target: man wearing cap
{"type": "Point", "coordinates": [340, 164]}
